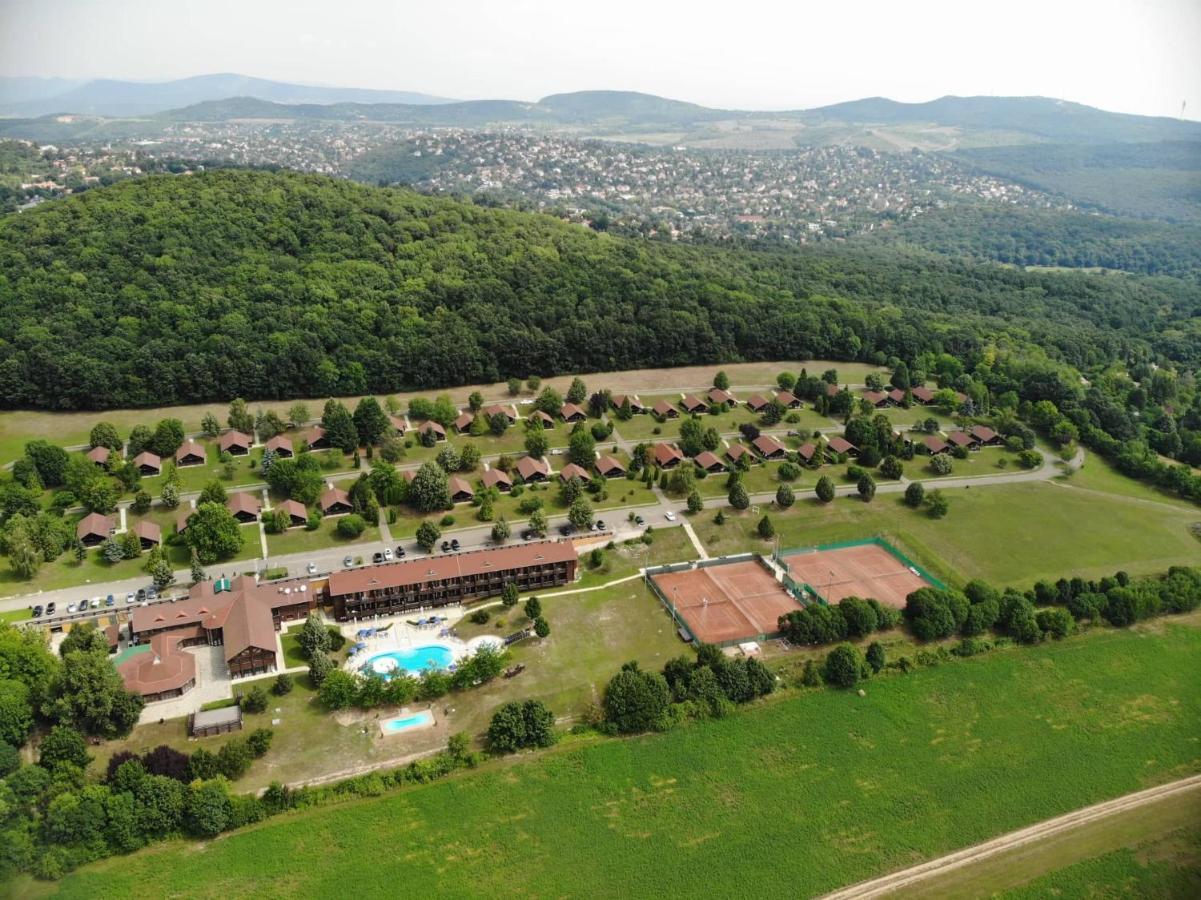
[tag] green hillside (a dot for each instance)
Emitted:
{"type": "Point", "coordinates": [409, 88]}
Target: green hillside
{"type": "Point", "coordinates": [271, 285]}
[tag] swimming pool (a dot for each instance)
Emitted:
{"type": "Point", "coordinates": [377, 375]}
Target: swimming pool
{"type": "Point", "coordinates": [403, 723]}
{"type": "Point", "coordinates": [413, 661]}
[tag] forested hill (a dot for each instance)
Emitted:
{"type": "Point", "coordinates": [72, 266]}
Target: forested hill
{"type": "Point", "coordinates": [269, 285]}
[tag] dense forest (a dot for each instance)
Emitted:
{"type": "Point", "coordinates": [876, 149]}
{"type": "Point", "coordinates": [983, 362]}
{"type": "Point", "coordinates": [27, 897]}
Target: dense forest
{"type": "Point", "coordinates": [270, 285]}
{"type": "Point", "coordinates": [1156, 180]}
{"type": "Point", "coordinates": [1031, 237]}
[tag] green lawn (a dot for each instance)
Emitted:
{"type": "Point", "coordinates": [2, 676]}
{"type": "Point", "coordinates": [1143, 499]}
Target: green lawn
{"type": "Point", "coordinates": [985, 461]}
{"type": "Point", "coordinates": [1010, 534]}
{"type": "Point", "coordinates": [796, 797]}
{"type": "Point", "coordinates": [293, 656]}
{"type": "Point", "coordinates": [1099, 475]}
{"type": "Point", "coordinates": [301, 540]}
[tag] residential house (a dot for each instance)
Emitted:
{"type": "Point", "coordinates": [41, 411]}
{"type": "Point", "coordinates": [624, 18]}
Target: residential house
{"type": "Point", "coordinates": [769, 447]}
{"type": "Point", "coordinates": [533, 470]}
{"type": "Point", "coordinates": [235, 443]}
{"type": "Point", "coordinates": [148, 464]}
{"type": "Point", "coordinates": [693, 404]}
{"type": "Point", "coordinates": [94, 529]}
{"type": "Point", "coordinates": [964, 439]}
{"type": "Point", "coordinates": [665, 410]}
{"type": "Point", "coordinates": [757, 403]}
{"type": "Point", "coordinates": [148, 533]}
{"type": "Point", "coordinates": [429, 425]}
{"type": "Point", "coordinates": [244, 506]}
{"type": "Point", "coordinates": [571, 470]}
{"type": "Point", "coordinates": [718, 396]}
{"type": "Point", "coordinates": [710, 462]}
{"type": "Point", "coordinates": [839, 446]}
{"type": "Point", "coordinates": [572, 413]}
{"type": "Point", "coordinates": [986, 436]}
{"type": "Point", "coordinates": [99, 455]}
{"type": "Point", "coordinates": [335, 502]}
{"type": "Point", "coordinates": [807, 451]}
{"type": "Point", "coordinates": [191, 453]}
{"type": "Point", "coordinates": [498, 478]}
{"type": "Point", "coordinates": [460, 490]}
{"type": "Point", "coordinates": [297, 513]}
{"type": "Point", "coordinates": [736, 452]}
{"type": "Point", "coordinates": [788, 399]}
{"type": "Point", "coordinates": [281, 446]}
{"type": "Point", "coordinates": [315, 438]}
{"type": "Point", "coordinates": [541, 417]}
{"type": "Point", "coordinates": [463, 423]}
{"type": "Point", "coordinates": [610, 467]}
{"type": "Point", "coordinates": [668, 456]}
{"type": "Point", "coordinates": [936, 445]}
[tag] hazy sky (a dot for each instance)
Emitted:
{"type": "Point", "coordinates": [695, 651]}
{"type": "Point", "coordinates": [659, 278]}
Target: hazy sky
{"type": "Point", "coordinates": [1135, 56]}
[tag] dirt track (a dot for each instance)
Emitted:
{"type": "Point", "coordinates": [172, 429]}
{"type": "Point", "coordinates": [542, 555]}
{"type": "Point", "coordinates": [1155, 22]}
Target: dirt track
{"type": "Point", "coordinates": [887, 884]}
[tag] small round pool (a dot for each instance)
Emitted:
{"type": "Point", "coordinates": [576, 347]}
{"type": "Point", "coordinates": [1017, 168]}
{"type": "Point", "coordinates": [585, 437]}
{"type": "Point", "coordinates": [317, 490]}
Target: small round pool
{"type": "Point", "coordinates": [412, 662]}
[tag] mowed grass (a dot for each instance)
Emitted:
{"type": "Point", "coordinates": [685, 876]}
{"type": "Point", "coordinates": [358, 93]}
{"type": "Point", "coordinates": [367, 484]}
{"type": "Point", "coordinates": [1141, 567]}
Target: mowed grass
{"type": "Point", "coordinates": [1006, 534]}
{"type": "Point", "coordinates": [796, 797]}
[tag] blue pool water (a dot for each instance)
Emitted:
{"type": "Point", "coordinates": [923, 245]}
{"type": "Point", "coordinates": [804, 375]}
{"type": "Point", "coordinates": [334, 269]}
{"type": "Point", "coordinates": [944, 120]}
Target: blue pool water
{"type": "Point", "coordinates": [413, 661]}
{"type": "Point", "coordinates": [425, 717]}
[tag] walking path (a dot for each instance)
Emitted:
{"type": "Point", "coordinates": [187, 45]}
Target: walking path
{"type": "Point", "coordinates": [887, 884]}
{"type": "Point", "coordinates": [696, 542]}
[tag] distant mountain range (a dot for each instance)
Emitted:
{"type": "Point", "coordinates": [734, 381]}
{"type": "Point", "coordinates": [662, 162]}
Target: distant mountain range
{"type": "Point", "coordinates": [109, 110]}
{"type": "Point", "coordinates": [111, 98]}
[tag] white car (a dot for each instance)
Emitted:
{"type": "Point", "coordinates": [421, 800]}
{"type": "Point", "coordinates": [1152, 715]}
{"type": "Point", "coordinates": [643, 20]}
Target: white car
{"type": "Point", "coordinates": [670, 516]}
{"type": "Point", "coordinates": [312, 568]}
{"type": "Point", "coordinates": [71, 607]}
{"type": "Point", "coordinates": [130, 598]}
{"type": "Point", "coordinates": [96, 601]}
{"type": "Point", "coordinates": [388, 554]}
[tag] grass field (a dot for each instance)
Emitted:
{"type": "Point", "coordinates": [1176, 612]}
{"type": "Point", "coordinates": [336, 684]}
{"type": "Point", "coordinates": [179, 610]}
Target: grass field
{"type": "Point", "coordinates": [1011, 534]}
{"type": "Point", "coordinates": [301, 540]}
{"type": "Point", "coordinates": [1150, 851]}
{"type": "Point", "coordinates": [798, 797]}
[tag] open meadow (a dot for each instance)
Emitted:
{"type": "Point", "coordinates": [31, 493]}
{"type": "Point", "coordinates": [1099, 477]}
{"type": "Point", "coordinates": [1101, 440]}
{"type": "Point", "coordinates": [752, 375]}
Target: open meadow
{"type": "Point", "coordinates": [797, 796]}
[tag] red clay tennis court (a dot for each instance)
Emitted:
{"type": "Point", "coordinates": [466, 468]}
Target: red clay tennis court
{"type": "Point", "coordinates": [865, 570]}
{"type": "Point", "coordinates": [726, 603]}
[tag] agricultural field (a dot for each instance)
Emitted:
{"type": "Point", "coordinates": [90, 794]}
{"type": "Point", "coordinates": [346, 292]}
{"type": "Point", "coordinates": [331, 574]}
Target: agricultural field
{"type": "Point", "coordinates": [1005, 534]}
{"type": "Point", "coordinates": [844, 787]}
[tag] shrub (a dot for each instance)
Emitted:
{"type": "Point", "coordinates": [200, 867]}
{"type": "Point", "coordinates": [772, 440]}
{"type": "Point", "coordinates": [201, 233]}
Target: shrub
{"type": "Point", "coordinates": [515, 726]}
{"type": "Point", "coordinates": [480, 616]}
{"type": "Point", "coordinates": [255, 700]}
{"type": "Point", "coordinates": [876, 657]}
{"type": "Point", "coordinates": [844, 666]}
{"type": "Point", "coordinates": [351, 526]}
{"type": "Point", "coordinates": [283, 684]}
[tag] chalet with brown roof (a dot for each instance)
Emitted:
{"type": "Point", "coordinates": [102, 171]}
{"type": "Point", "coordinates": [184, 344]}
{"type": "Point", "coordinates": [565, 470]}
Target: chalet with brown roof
{"type": "Point", "coordinates": [986, 435]}
{"type": "Point", "coordinates": [315, 438]}
{"type": "Point", "coordinates": [788, 399]}
{"type": "Point", "coordinates": [541, 417]}
{"type": "Point", "coordinates": [235, 443]}
{"type": "Point", "coordinates": [635, 404]}
{"type": "Point", "coordinates": [148, 533]}
{"type": "Point", "coordinates": [896, 397]}
{"type": "Point", "coordinates": [335, 502]}
{"type": "Point", "coordinates": [693, 404]}
{"type": "Point", "coordinates": [665, 410]}
{"type": "Point", "coordinates": [99, 455]}
{"type": "Point", "coordinates": [463, 422]}
{"type": "Point", "coordinates": [281, 446]}
{"type": "Point", "coordinates": [532, 470]}
{"type": "Point", "coordinates": [497, 478]}
{"type": "Point", "coordinates": [297, 514]}
{"type": "Point", "coordinates": [148, 464]}
{"type": "Point", "coordinates": [668, 456]}
{"type": "Point", "coordinates": [94, 529]}
{"type": "Point", "coordinates": [244, 506]}
{"type": "Point", "coordinates": [161, 672]}
{"type": "Point", "coordinates": [936, 445]}
{"type": "Point", "coordinates": [191, 453]}
{"type": "Point", "coordinates": [181, 518]}
{"type": "Point", "coordinates": [922, 394]}
{"type": "Point", "coordinates": [610, 467]}
{"type": "Point", "coordinates": [878, 399]}
{"type": "Point", "coordinates": [429, 425]}
{"type": "Point", "coordinates": [807, 451]}
{"type": "Point", "coordinates": [757, 403]}
{"type": "Point", "coordinates": [736, 452]}
{"type": "Point", "coordinates": [453, 578]}
{"type": "Point", "coordinates": [398, 424]}
{"type": "Point", "coordinates": [710, 462]}
{"type": "Point", "coordinates": [840, 445]}
{"type": "Point", "coordinates": [769, 447]}
{"type": "Point", "coordinates": [460, 491]}
{"type": "Point", "coordinates": [964, 439]}
{"type": "Point", "coordinates": [499, 409]}
{"type": "Point", "coordinates": [572, 413]}
{"type": "Point", "coordinates": [718, 395]}
{"type": "Point", "coordinates": [571, 470]}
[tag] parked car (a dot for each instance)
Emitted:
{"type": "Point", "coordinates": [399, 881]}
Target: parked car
{"type": "Point", "coordinates": [36, 612]}
{"type": "Point", "coordinates": [400, 552]}
{"type": "Point", "coordinates": [96, 602]}
{"type": "Point", "coordinates": [638, 520]}
{"type": "Point", "coordinates": [71, 607]}
{"type": "Point", "coordinates": [348, 562]}
{"type": "Point", "coordinates": [51, 609]}
{"type": "Point", "coordinates": [152, 593]}
{"type": "Point", "coordinates": [312, 568]}
{"type": "Point", "coordinates": [388, 554]}
{"type": "Point", "coordinates": [600, 525]}
{"type": "Point", "coordinates": [131, 598]}
{"type": "Point", "coordinates": [454, 544]}
{"type": "Point", "coordinates": [110, 600]}
{"type": "Point", "coordinates": [528, 535]}
{"type": "Point", "coordinates": [141, 594]}
{"type": "Point", "coordinates": [670, 516]}
{"type": "Point", "coordinates": [566, 530]}
{"type": "Point", "coordinates": [377, 557]}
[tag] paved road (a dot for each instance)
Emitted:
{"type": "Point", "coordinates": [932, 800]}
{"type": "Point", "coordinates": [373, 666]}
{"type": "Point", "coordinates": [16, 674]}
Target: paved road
{"type": "Point", "coordinates": [331, 559]}
{"type": "Point", "coordinates": [887, 884]}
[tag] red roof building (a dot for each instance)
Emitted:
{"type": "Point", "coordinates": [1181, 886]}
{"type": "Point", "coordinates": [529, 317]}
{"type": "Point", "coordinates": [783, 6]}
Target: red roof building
{"type": "Point", "coordinates": [757, 403]}
{"type": "Point", "coordinates": [667, 456]}
{"type": "Point", "coordinates": [665, 410]}
{"type": "Point", "coordinates": [460, 491]}
{"type": "Point", "coordinates": [693, 404]}
{"type": "Point", "coordinates": [936, 445]}
{"type": "Point", "coordinates": [191, 453]}
{"type": "Point", "coordinates": [244, 506]}
{"type": "Point", "coordinates": [281, 446]}
{"type": "Point", "coordinates": [94, 529]}
{"type": "Point", "coordinates": [235, 443]}
{"type": "Point", "coordinates": [610, 467]}
{"type": "Point", "coordinates": [710, 462]}
{"type": "Point", "coordinates": [497, 478]}
{"type": "Point", "coordinates": [842, 445]}
{"type": "Point", "coordinates": [736, 452]}
{"type": "Point", "coordinates": [572, 413]}
{"type": "Point", "coordinates": [788, 399]}
{"type": "Point", "coordinates": [148, 464]}
{"type": "Point", "coordinates": [148, 533]}
{"type": "Point", "coordinates": [769, 447]}
{"type": "Point", "coordinates": [335, 502]}
{"type": "Point", "coordinates": [571, 470]}
{"type": "Point", "coordinates": [531, 469]}
{"type": "Point", "coordinates": [99, 455]}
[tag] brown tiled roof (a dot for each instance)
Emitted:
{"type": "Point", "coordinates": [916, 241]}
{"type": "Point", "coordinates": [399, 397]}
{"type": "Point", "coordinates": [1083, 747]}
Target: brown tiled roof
{"type": "Point", "coordinates": [243, 501]}
{"type": "Point", "coordinates": [527, 466]}
{"type": "Point", "coordinates": [757, 402]}
{"type": "Point", "coordinates": [463, 422]}
{"type": "Point", "coordinates": [832, 390]}
{"type": "Point", "coordinates": [618, 399]}
{"type": "Point", "coordinates": [542, 417]}
{"type": "Point", "coordinates": [607, 464]}
{"type": "Point", "coordinates": [896, 395]}
{"type": "Point", "coordinates": [431, 425]}
{"type": "Point", "coordinates": [190, 448]}
{"type": "Point", "coordinates": [94, 523]}
{"type": "Point", "coordinates": [984, 433]}
{"type": "Point", "coordinates": [397, 422]}
{"type": "Point", "coordinates": [735, 451]}
{"type": "Point", "coordinates": [99, 454]}
{"type": "Point", "coordinates": [663, 408]}
{"type": "Point", "coordinates": [691, 402]}
{"type": "Point", "coordinates": [333, 496]}
{"type": "Point", "coordinates": [248, 623]}
{"type": "Point", "coordinates": [294, 508]}
{"type": "Point", "coordinates": [922, 394]}
{"type": "Point", "coordinates": [767, 445]}
{"type": "Point", "coordinates": [313, 435]}
{"type": "Point", "coordinates": [718, 395]}
{"type": "Point", "coordinates": [962, 438]}
{"type": "Point", "coordinates": [841, 445]}
{"type": "Point", "coordinates": [570, 410]}
{"type": "Point", "coordinates": [164, 667]}
{"type": "Point", "coordinates": [807, 450]}
{"type": "Point", "coordinates": [500, 409]}
{"type": "Point", "coordinates": [707, 460]}
{"type": "Point", "coordinates": [456, 485]}
{"type": "Point", "coordinates": [148, 531]}
{"type": "Point", "coordinates": [935, 444]}
{"type": "Point", "coordinates": [280, 442]}
{"type": "Point", "coordinates": [875, 398]}
{"type": "Point", "coordinates": [666, 453]}
{"type": "Point", "coordinates": [494, 477]}
{"type": "Point", "coordinates": [455, 565]}
{"type": "Point", "coordinates": [571, 470]}
{"type": "Point", "coordinates": [233, 438]}
{"type": "Point", "coordinates": [146, 458]}
{"type": "Point", "coordinates": [788, 398]}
